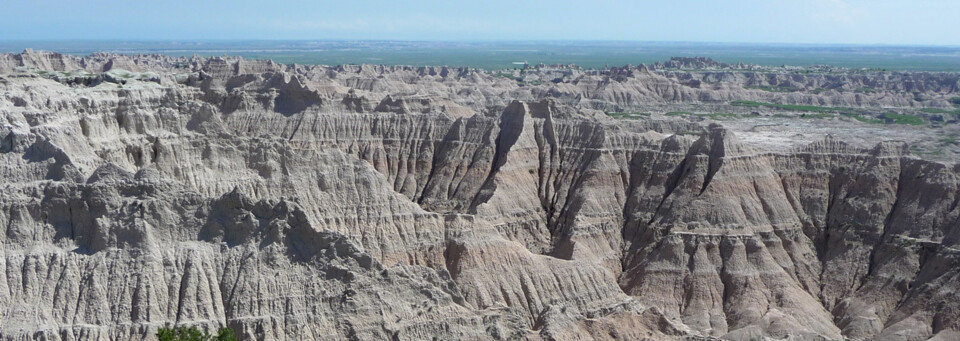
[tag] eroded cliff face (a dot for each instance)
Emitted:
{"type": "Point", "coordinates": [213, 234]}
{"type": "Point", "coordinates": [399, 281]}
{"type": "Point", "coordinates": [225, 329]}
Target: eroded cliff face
{"type": "Point", "coordinates": [292, 202]}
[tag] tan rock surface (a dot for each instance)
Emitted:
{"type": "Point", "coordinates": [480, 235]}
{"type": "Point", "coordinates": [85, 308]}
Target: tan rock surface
{"type": "Point", "coordinates": [370, 202]}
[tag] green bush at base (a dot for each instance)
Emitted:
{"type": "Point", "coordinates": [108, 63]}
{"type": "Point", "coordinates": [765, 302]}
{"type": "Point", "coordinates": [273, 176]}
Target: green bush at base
{"type": "Point", "coordinates": [194, 334]}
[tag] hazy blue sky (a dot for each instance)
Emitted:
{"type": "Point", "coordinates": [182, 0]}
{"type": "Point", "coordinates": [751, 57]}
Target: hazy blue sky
{"type": "Point", "coordinates": [781, 21]}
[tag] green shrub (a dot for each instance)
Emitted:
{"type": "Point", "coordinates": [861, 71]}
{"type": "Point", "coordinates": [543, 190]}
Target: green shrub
{"type": "Point", "coordinates": [903, 119]}
{"type": "Point", "coordinates": [194, 334]}
{"type": "Point", "coordinates": [816, 115]}
{"type": "Point", "coordinates": [715, 116]}
{"type": "Point", "coordinates": [955, 101]}
{"type": "Point", "coordinates": [226, 334]}
{"type": "Point", "coordinates": [936, 111]}
{"type": "Point", "coordinates": [862, 118]}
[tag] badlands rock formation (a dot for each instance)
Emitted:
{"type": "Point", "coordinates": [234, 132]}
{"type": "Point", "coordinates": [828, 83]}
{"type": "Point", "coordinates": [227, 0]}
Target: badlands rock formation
{"type": "Point", "coordinates": [369, 202]}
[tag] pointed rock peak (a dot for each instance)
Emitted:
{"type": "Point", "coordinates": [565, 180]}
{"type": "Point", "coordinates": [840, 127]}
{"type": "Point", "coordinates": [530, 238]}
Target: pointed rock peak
{"type": "Point", "coordinates": [717, 141]}
{"type": "Point", "coordinates": [890, 149]}
{"type": "Point", "coordinates": [543, 109]}
{"type": "Point", "coordinates": [353, 102]}
{"type": "Point", "coordinates": [297, 82]}
{"type": "Point", "coordinates": [109, 173]}
{"type": "Point", "coordinates": [516, 108]}
{"type": "Point", "coordinates": [238, 67]}
{"type": "Point", "coordinates": [392, 104]}
{"type": "Point", "coordinates": [677, 143]}
{"type": "Point", "coordinates": [109, 65]}
{"type": "Point", "coordinates": [235, 198]}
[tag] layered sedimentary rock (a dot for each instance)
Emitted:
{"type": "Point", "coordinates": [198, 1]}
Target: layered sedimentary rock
{"type": "Point", "coordinates": [455, 89]}
{"type": "Point", "coordinates": [361, 202]}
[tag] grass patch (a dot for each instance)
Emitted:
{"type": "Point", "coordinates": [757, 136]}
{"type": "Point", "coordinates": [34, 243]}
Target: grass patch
{"type": "Point", "coordinates": [948, 140]}
{"type": "Point", "coordinates": [718, 116]}
{"type": "Point", "coordinates": [937, 111]}
{"type": "Point", "coordinates": [714, 116]}
{"type": "Point", "coordinates": [792, 107]}
{"type": "Point", "coordinates": [922, 152]}
{"type": "Point", "coordinates": [505, 75]}
{"type": "Point", "coordinates": [818, 115]}
{"type": "Point", "coordinates": [861, 118]}
{"type": "Point", "coordinates": [903, 119]}
{"type": "Point", "coordinates": [955, 101]}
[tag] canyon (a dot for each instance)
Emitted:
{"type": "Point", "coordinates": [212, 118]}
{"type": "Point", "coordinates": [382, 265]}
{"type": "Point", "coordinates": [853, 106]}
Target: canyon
{"type": "Point", "coordinates": [410, 203]}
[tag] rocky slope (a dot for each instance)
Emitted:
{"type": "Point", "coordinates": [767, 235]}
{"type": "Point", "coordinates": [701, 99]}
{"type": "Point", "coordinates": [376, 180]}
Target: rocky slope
{"type": "Point", "coordinates": [370, 202]}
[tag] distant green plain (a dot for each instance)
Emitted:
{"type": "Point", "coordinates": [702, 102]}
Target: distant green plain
{"type": "Point", "coordinates": [506, 55]}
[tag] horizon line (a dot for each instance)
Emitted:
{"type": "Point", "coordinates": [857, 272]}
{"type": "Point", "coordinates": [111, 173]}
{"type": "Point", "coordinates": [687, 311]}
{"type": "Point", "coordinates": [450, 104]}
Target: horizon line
{"type": "Point", "coordinates": [474, 41]}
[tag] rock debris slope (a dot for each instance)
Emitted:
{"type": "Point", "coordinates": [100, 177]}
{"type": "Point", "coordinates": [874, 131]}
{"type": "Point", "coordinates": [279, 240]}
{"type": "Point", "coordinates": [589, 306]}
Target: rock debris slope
{"type": "Point", "coordinates": [364, 202]}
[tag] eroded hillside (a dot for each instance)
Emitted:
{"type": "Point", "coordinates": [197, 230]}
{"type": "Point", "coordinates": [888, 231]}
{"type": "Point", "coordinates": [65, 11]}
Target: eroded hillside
{"type": "Point", "coordinates": [372, 202]}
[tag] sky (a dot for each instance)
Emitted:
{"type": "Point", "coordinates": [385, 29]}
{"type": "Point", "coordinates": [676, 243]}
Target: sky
{"type": "Point", "coordinates": [904, 22]}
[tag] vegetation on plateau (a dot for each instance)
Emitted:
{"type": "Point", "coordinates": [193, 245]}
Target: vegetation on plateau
{"type": "Point", "coordinates": [714, 116]}
{"type": "Point", "coordinates": [826, 112]}
{"type": "Point", "coordinates": [938, 111]}
{"type": "Point", "coordinates": [628, 115]}
{"type": "Point", "coordinates": [793, 107]}
{"type": "Point", "coordinates": [902, 119]}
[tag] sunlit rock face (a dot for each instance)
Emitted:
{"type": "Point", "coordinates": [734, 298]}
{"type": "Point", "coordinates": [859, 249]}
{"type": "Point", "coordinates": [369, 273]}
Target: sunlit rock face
{"type": "Point", "coordinates": [371, 202]}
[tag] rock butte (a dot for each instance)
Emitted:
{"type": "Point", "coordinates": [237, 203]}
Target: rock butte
{"type": "Point", "coordinates": [371, 202]}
